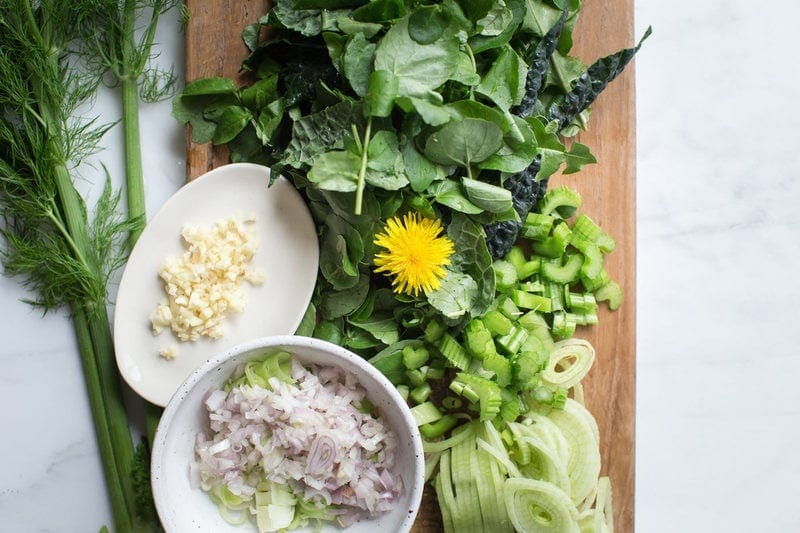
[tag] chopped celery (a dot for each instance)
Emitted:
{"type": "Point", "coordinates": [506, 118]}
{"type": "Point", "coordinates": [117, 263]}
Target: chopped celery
{"type": "Point", "coordinates": [586, 229]}
{"type": "Point", "coordinates": [507, 307]}
{"type": "Point", "coordinates": [554, 245]}
{"type": "Point", "coordinates": [403, 390]}
{"type": "Point", "coordinates": [560, 200]}
{"type": "Point", "coordinates": [454, 352]}
{"type": "Point", "coordinates": [478, 339]}
{"type": "Point", "coordinates": [532, 286]}
{"type": "Point", "coordinates": [436, 429]}
{"type": "Point", "coordinates": [537, 226]}
{"type": "Point", "coordinates": [390, 360]}
{"type": "Point", "coordinates": [516, 257]}
{"type": "Point", "coordinates": [434, 372]}
{"type": "Point", "coordinates": [593, 262]}
{"type": "Point", "coordinates": [563, 325]}
{"type": "Point", "coordinates": [451, 402]}
{"type": "Point", "coordinates": [579, 302]}
{"type": "Point", "coordinates": [425, 413]}
{"type": "Point", "coordinates": [526, 367]}
{"type": "Point", "coordinates": [527, 300]}
{"type": "Point", "coordinates": [513, 340]}
{"type": "Point", "coordinates": [611, 292]}
{"type": "Point", "coordinates": [505, 274]}
{"type": "Point", "coordinates": [530, 268]}
{"type": "Point", "coordinates": [496, 322]}
{"type": "Point", "coordinates": [606, 243]}
{"type": "Point", "coordinates": [415, 357]}
{"type": "Point", "coordinates": [564, 273]}
{"type": "Point", "coordinates": [434, 331]}
{"type": "Point", "coordinates": [596, 282]}
{"type": "Point", "coordinates": [499, 366]}
{"type": "Point", "coordinates": [421, 393]}
{"type": "Point", "coordinates": [481, 390]}
{"type": "Point", "coordinates": [415, 377]}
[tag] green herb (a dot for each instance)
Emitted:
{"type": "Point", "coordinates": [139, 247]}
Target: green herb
{"type": "Point", "coordinates": [62, 254]}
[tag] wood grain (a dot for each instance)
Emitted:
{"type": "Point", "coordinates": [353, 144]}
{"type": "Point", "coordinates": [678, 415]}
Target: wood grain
{"type": "Point", "coordinates": [214, 48]}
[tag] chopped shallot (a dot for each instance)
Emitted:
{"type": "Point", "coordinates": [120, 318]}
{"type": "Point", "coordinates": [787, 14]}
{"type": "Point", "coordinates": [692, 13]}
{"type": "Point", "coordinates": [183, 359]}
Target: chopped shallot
{"type": "Point", "coordinates": [309, 435]}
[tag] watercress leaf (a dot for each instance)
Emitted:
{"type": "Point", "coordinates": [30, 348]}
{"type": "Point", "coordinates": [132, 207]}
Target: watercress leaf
{"type": "Point", "coordinates": [380, 11]}
{"type": "Point", "coordinates": [232, 120]}
{"type": "Point", "coordinates": [455, 296]}
{"type": "Point", "coordinates": [340, 303]}
{"type": "Point", "coordinates": [463, 142]}
{"type": "Point", "coordinates": [476, 9]}
{"type": "Point", "coordinates": [268, 120]}
{"type": "Point", "coordinates": [309, 321]}
{"type": "Point", "coordinates": [385, 167]}
{"type": "Point", "coordinates": [578, 156]}
{"type": "Point", "coordinates": [341, 249]}
{"type": "Point", "coordinates": [431, 113]}
{"type": "Point", "coordinates": [320, 132]}
{"type": "Point", "coordinates": [472, 109]}
{"type": "Point", "coordinates": [496, 20]}
{"type": "Point", "coordinates": [564, 71]}
{"type": "Point", "coordinates": [336, 170]}
{"type": "Point", "coordinates": [381, 93]}
{"type": "Point", "coordinates": [190, 110]}
{"type": "Point", "coordinates": [539, 17]}
{"type": "Point", "coordinates": [487, 196]}
{"type": "Point", "coordinates": [335, 44]}
{"type": "Point", "coordinates": [390, 203]}
{"type": "Point", "coordinates": [327, 4]}
{"type": "Point", "coordinates": [465, 71]}
{"type": "Point", "coordinates": [358, 339]}
{"type": "Point", "coordinates": [427, 23]}
{"type": "Point", "coordinates": [357, 62]}
{"type": "Point", "coordinates": [382, 326]}
{"type": "Point", "coordinates": [420, 171]}
{"type": "Point", "coordinates": [250, 35]}
{"type": "Point", "coordinates": [449, 193]}
{"type": "Point", "coordinates": [329, 330]}
{"type": "Point", "coordinates": [515, 155]}
{"type": "Point", "coordinates": [305, 21]}
{"type": "Point", "coordinates": [247, 147]}
{"type": "Point", "coordinates": [549, 148]}
{"type": "Point", "coordinates": [209, 86]}
{"type": "Point", "coordinates": [421, 205]}
{"type": "Point", "coordinates": [504, 83]}
{"type": "Point", "coordinates": [419, 68]}
{"type": "Point", "coordinates": [260, 93]}
{"type": "Point", "coordinates": [349, 26]}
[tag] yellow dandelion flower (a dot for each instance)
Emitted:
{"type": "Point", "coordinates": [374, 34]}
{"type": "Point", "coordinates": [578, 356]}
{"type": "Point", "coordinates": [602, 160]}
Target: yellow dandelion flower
{"type": "Point", "coordinates": [415, 253]}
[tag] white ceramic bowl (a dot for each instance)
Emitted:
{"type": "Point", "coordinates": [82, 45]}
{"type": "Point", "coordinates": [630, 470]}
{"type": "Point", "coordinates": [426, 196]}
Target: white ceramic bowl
{"type": "Point", "coordinates": [182, 508]}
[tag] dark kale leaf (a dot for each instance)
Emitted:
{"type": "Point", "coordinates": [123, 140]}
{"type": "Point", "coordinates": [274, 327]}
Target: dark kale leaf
{"type": "Point", "coordinates": [591, 84]}
{"type": "Point", "coordinates": [539, 62]}
{"type": "Point", "coordinates": [526, 191]}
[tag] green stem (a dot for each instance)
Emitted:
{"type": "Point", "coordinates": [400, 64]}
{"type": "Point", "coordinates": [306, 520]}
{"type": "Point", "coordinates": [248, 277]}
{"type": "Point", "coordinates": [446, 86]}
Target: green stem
{"type": "Point", "coordinates": [134, 176]}
{"type": "Point", "coordinates": [112, 393]}
{"type": "Point", "coordinates": [119, 506]}
{"type": "Point", "coordinates": [362, 171]}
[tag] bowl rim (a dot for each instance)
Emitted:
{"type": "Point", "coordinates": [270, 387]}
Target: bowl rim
{"type": "Point", "coordinates": [416, 484]}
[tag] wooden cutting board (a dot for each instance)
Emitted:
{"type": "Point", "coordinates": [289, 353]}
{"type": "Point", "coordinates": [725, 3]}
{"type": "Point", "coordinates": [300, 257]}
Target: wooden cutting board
{"type": "Point", "coordinates": [214, 48]}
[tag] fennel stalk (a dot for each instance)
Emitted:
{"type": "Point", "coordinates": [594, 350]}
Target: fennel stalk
{"type": "Point", "coordinates": [64, 256]}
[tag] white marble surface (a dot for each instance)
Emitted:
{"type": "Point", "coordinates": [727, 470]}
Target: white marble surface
{"type": "Point", "coordinates": [718, 411]}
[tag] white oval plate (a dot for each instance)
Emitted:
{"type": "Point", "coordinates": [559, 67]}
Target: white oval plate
{"type": "Point", "coordinates": [288, 255]}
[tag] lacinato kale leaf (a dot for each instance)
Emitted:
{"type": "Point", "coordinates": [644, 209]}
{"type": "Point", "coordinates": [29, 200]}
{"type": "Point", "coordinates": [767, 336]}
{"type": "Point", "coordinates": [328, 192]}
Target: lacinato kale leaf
{"type": "Point", "coordinates": [591, 84]}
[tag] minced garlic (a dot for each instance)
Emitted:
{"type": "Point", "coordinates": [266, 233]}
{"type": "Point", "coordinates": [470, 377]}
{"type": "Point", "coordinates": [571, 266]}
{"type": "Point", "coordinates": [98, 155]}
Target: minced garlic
{"type": "Point", "coordinates": [204, 283]}
{"type": "Point", "coordinates": [169, 353]}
